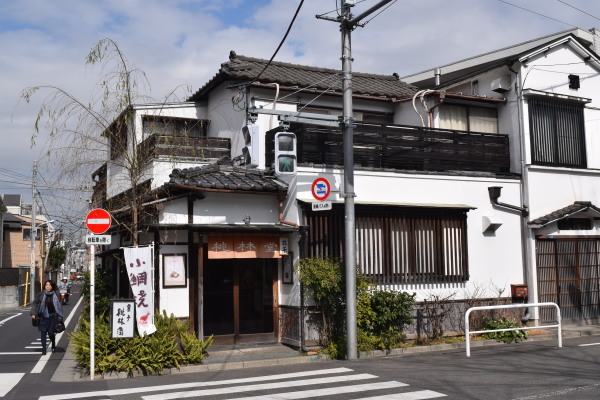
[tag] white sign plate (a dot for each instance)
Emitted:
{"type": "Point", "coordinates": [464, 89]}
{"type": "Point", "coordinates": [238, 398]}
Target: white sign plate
{"type": "Point", "coordinates": [97, 239]}
{"type": "Point", "coordinates": [321, 206]}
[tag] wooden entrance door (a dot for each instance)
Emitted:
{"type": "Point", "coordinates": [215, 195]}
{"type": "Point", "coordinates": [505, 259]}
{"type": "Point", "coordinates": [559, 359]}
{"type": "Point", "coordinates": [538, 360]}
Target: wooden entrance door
{"type": "Point", "coordinates": [239, 300]}
{"type": "Point", "coordinates": [568, 275]}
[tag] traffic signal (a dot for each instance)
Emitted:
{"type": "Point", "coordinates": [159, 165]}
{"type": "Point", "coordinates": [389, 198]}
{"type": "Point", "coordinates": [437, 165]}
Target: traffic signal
{"type": "Point", "coordinates": [285, 153]}
{"type": "Point", "coordinates": [251, 153]}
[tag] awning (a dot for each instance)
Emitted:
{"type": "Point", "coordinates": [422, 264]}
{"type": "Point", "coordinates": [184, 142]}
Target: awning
{"type": "Point", "coordinates": [579, 208]}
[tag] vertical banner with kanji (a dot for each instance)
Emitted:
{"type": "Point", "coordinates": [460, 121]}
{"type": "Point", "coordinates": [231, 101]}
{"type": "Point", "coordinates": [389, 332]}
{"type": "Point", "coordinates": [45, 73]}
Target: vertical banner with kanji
{"type": "Point", "coordinates": [139, 262]}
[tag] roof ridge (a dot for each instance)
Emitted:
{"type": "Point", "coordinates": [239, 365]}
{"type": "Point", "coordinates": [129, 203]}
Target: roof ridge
{"type": "Point", "coordinates": [233, 56]}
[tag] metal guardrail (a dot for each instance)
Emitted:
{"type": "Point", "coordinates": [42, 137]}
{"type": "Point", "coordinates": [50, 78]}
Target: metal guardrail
{"type": "Point", "coordinates": [469, 333]}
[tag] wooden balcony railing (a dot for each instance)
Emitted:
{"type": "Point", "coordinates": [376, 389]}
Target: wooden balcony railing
{"type": "Point", "coordinates": [197, 148]}
{"type": "Point", "coordinates": [402, 147]}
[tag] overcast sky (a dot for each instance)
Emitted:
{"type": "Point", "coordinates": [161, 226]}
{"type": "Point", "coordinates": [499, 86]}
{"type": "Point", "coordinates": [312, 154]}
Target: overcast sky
{"type": "Point", "coordinates": [183, 42]}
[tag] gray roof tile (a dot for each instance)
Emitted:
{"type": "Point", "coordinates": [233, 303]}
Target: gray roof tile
{"type": "Point", "coordinates": [225, 176]}
{"type": "Point", "coordinates": [575, 208]}
{"type": "Point", "coordinates": [246, 69]}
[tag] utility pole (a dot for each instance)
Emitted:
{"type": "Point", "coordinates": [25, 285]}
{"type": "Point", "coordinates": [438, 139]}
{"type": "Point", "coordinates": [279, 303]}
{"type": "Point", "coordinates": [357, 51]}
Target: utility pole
{"type": "Point", "coordinates": [347, 24]}
{"type": "Point", "coordinates": [32, 235]}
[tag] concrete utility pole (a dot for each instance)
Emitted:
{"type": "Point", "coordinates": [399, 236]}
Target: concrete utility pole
{"type": "Point", "coordinates": [32, 235]}
{"type": "Point", "coordinates": [347, 24]}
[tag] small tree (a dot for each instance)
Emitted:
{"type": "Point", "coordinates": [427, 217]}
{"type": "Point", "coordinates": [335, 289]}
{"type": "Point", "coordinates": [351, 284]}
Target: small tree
{"type": "Point", "coordinates": [83, 135]}
{"type": "Point", "coordinates": [56, 256]}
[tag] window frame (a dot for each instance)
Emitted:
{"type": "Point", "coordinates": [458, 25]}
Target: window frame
{"type": "Point", "coordinates": [554, 141]}
{"type": "Point", "coordinates": [433, 249]}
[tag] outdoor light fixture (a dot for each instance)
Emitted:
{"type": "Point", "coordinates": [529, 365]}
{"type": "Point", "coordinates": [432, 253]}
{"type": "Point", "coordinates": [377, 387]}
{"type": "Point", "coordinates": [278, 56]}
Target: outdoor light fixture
{"type": "Point", "coordinates": [495, 192]}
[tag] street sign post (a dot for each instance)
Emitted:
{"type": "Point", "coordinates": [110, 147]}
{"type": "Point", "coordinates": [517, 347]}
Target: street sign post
{"type": "Point", "coordinates": [320, 189]}
{"type": "Point", "coordinates": [98, 221]}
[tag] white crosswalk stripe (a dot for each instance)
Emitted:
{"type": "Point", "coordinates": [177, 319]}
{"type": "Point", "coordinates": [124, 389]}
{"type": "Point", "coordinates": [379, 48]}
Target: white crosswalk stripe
{"type": "Point", "coordinates": [8, 381]}
{"type": "Point", "coordinates": [322, 383]}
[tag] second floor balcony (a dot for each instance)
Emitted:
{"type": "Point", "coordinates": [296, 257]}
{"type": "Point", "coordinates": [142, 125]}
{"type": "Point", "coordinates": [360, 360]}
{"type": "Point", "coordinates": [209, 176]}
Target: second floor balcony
{"type": "Point", "coordinates": [400, 147]}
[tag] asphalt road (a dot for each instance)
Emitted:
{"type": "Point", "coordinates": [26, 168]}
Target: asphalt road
{"type": "Point", "coordinates": [526, 371]}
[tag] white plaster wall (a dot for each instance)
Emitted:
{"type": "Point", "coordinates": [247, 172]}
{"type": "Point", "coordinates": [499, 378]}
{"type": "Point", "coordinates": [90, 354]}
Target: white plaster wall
{"type": "Point", "coordinates": [159, 170]}
{"type": "Point", "coordinates": [174, 300]}
{"type": "Point", "coordinates": [174, 212]}
{"type": "Point", "coordinates": [232, 208]}
{"type": "Point", "coordinates": [551, 189]}
{"type": "Point", "coordinates": [495, 259]}
{"type": "Point", "coordinates": [225, 121]}
{"type": "Point", "coordinates": [549, 73]}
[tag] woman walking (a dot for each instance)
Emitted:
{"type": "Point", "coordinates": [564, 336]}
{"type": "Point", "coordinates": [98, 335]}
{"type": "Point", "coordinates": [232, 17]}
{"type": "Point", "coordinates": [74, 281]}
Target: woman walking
{"type": "Point", "coordinates": [47, 310]}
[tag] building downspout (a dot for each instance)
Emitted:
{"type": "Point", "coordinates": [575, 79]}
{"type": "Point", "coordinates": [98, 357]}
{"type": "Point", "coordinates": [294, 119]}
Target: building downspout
{"type": "Point", "coordinates": [281, 196]}
{"type": "Point", "coordinates": [525, 231]}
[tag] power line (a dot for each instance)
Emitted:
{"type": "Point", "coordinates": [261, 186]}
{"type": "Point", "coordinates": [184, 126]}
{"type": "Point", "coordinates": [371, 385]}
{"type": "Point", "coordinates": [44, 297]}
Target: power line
{"type": "Point", "coordinates": [536, 13]}
{"type": "Point", "coordinates": [282, 40]}
{"type": "Point", "coordinates": [586, 13]}
{"type": "Point", "coordinates": [382, 10]}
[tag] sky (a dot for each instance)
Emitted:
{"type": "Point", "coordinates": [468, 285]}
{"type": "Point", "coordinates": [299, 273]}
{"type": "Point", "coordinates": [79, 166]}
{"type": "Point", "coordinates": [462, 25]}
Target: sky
{"type": "Point", "coordinates": [181, 43]}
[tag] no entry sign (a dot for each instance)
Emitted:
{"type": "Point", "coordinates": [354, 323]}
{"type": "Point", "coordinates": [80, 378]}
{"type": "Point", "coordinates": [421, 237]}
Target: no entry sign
{"type": "Point", "coordinates": [321, 189]}
{"type": "Point", "coordinates": [98, 221]}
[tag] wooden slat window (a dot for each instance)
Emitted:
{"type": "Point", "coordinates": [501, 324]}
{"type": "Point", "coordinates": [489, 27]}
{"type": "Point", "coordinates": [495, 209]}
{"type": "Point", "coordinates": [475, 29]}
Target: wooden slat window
{"type": "Point", "coordinates": [557, 132]}
{"type": "Point", "coordinates": [396, 245]}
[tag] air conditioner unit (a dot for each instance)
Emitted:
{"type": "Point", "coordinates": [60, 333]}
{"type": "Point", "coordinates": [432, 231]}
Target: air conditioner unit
{"type": "Point", "coordinates": [502, 84]}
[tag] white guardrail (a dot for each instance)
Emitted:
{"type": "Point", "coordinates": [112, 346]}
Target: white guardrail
{"type": "Point", "coordinates": [526, 305]}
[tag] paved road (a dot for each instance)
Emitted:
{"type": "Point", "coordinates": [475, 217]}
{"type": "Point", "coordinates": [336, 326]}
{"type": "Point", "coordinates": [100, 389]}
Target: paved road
{"type": "Point", "coordinates": [527, 371]}
{"type": "Point", "coordinates": [20, 345]}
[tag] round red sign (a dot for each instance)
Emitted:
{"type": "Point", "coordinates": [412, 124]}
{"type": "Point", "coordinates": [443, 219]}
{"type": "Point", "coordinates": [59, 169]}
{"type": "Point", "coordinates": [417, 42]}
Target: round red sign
{"type": "Point", "coordinates": [98, 221]}
{"type": "Point", "coordinates": [321, 189]}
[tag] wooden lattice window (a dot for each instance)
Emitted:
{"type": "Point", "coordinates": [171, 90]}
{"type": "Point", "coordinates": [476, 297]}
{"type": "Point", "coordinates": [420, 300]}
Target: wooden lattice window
{"type": "Point", "coordinates": [397, 244]}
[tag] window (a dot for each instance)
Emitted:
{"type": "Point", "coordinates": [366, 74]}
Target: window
{"type": "Point", "coordinates": [575, 224]}
{"type": "Point", "coordinates": [397, 245]}
{"type": "Point", "coordinates": [557, 133]}
{"type": "Point", "coordinates": [468, 118]}
{"type": "Point", "coordinates": [27, 234]}
{"type": "Point", "coordinates": [171, 126]}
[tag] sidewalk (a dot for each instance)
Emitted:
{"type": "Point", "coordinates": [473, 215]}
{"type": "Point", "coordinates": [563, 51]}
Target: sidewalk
{"type": "Point", "coordinates": [235, 357]}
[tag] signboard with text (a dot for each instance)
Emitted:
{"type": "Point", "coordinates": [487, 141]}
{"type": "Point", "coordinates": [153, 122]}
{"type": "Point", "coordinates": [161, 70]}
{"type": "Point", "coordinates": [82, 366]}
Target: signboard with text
{"type": "Point", "coordinates": [122, 318]}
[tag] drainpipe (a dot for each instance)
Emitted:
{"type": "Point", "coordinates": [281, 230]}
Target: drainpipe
{"type": "Point", "coordinates": [438, 76]}
{"type": "Point", "coordinates": [530, 275]}
{"type": "Point", "coordinates": [281, 196]}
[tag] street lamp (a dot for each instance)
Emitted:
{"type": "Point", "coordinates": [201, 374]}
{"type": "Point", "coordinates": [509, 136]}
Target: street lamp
{"type": "Point", "coordinates": [32, 236]}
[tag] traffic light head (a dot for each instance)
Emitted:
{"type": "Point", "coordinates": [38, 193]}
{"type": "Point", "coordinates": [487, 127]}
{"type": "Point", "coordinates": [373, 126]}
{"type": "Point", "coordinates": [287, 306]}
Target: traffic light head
{"type": "Point", "coordinates": [285, 153]}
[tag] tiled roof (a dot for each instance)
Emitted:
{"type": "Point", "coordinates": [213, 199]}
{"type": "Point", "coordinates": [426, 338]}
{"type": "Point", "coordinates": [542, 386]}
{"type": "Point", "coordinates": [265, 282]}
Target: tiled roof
{"type": "Point", "coordinates": [224, 176]}
{"type": "Point", "coordinates": [575, 208]}
{"type": "Point", "coordinates": [12, 200]}
{"type": "Point", "coordinates": [246, 69]}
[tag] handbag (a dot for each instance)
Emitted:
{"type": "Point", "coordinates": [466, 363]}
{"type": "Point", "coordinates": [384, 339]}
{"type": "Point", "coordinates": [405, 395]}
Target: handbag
{"type": "Point", "coordinates": [59, 326]}
{"type": "Point", "coordinates": [35, 322]}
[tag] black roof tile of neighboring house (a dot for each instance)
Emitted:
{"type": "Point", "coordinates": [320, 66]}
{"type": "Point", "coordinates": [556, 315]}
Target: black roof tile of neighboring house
{"type": "Point", "coordinates": [246, 69]}
{"type": "Point", "coordinates": [575, 208]}
{"type": "Point", "coordinates": [12, 200]}
{"type": "Point", "coordinates": [226, 177]}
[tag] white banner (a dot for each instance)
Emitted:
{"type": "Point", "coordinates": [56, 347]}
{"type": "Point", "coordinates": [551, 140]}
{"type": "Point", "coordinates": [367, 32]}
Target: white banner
{"type": "Point", "coordinates": [139, 269]}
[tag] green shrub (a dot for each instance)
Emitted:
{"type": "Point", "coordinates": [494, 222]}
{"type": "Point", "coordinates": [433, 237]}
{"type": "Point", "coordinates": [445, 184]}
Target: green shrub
{"type": "Point", "coordinates": [506, 336]}
{"type": "Point", "coordinates": [169, 347]}
{"type": "Point", "coordinates": [381, 315]}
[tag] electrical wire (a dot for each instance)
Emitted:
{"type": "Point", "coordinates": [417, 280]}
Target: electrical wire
{"type": "Point", "coordinates": [536, 13]}
{"type": "Point", "coordinates": [282, 40]}
{"type": "Point", "coordinates": [586, 13]}
{"type": "Point", "coordinates": [382, 10]}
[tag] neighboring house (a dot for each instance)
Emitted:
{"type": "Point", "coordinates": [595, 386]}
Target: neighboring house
{"type": "Point", "coordinates": [424, 220]}
{"type": "Point", "coordinates": [16, 239]}
{"type": "Point", "coordinates": [551, 116]}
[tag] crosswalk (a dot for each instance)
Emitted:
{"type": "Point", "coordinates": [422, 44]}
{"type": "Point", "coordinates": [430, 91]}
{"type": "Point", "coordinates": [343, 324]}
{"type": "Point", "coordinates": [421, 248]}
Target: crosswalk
{"type": "Point", "coordinates": [323, 383]}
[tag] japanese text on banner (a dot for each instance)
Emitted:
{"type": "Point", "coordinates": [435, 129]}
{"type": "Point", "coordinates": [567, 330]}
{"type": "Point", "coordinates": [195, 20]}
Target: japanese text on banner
{"type": "Point", "coordinates": [139, 269]}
